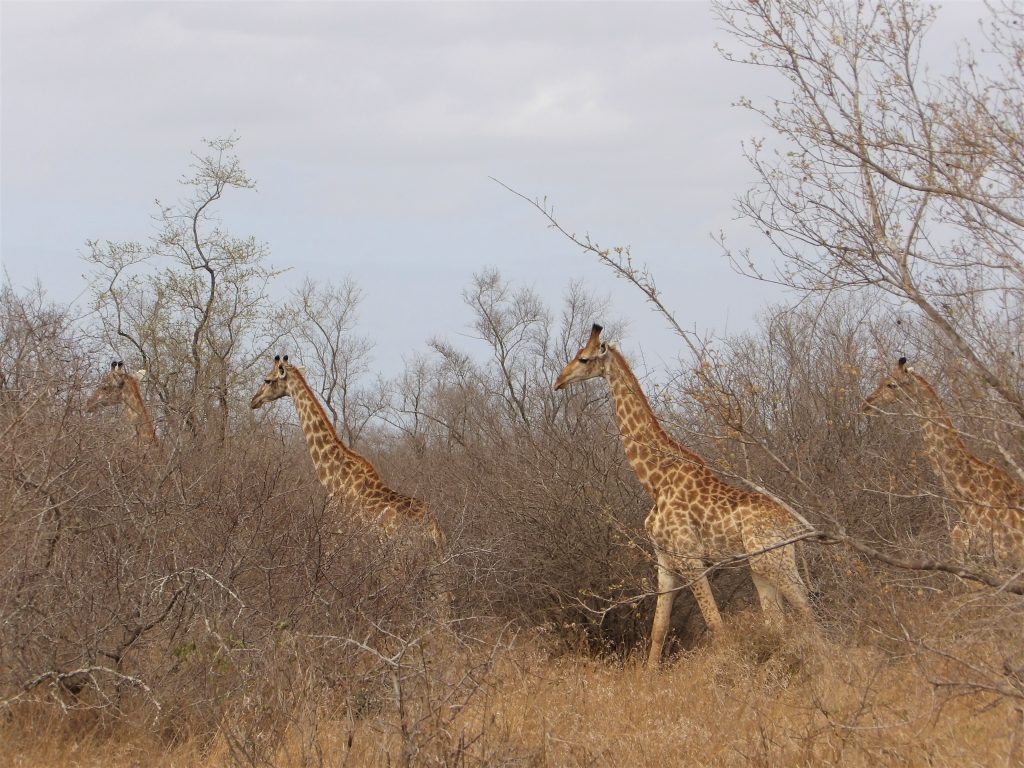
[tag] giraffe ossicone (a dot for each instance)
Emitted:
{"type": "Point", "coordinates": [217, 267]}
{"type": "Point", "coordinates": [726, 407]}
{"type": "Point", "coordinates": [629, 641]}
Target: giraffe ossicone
{"type": "Point", "coordinates": [697, 518]}
{"type": "Point", "coordinates": [991, 503]}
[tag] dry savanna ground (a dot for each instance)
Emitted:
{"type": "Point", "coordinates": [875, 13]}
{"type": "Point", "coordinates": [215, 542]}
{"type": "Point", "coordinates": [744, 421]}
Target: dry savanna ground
{"type": "Point", "coordinates": [752, 699]}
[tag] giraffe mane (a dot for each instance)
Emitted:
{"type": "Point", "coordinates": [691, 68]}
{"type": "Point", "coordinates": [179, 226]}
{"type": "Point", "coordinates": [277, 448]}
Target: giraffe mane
{"type": "Point", "coordinates": [944, 419]}
{"type": "Point", "coordinates": [348, 452]}
{"type": "Point", "coordinates": [142, 411]}
{"type": "Point", "coordinates": [634, 384]}
{"type": "Point", "coordinates": [925, 384]}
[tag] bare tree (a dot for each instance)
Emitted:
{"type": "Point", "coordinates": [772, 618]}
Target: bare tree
{"type": "Point", "coordinates": [188, 303]}
{"type": "Point", "coordinates": [319, 324]}
{"type": "Point", "coordinates": [889, 176]}
{"type": "Point", "coordinates": [525, 344]}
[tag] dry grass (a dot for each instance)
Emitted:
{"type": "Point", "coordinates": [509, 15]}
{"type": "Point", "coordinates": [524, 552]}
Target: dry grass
{"type": "Point", "coordinates": [750, 698]}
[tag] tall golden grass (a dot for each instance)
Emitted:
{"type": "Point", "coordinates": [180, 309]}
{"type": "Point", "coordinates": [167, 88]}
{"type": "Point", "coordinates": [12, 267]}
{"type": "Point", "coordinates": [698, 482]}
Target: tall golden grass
{"type": "Point", "coordinates": [752, 696]}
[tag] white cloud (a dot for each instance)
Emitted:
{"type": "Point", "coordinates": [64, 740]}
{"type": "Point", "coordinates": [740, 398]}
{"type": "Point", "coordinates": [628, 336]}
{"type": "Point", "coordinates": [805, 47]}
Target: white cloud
{"type": "Point", "coordinates": [372, 129]}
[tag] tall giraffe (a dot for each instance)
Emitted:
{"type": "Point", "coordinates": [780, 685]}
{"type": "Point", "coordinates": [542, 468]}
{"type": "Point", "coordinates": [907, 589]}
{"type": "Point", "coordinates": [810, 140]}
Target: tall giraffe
{"type": "Point", "coordinates": [696, 518]}
{"type": "Point", "coordinates": [345, 474]}
{"type": "Point", "coordinates": [991, 502]}
{"type": "Point", "coordinates": [120, 387]}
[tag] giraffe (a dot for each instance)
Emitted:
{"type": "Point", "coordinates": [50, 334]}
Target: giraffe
{"type": "Point", "coordinates": [991, 503]}
{"type": "Point", "coordinates": [346, 475]}
{"type": "Point", "coordinates": [696, 517]}
{"type": "Point", "coordinates": [120, 387]}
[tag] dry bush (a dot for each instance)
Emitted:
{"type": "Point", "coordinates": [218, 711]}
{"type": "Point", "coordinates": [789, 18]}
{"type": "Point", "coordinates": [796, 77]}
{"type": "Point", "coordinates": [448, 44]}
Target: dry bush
{"type": "Point", "coordinates": [192, 591]}
{"type": "Point", "coordinates": [753, 698]}
{"type": "Point", "coordinates": [203, 605]}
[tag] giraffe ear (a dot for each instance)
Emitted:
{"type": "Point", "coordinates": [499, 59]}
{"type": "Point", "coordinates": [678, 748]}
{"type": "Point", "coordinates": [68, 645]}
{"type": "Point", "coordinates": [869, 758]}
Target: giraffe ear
{"type": "Point", "coordinates": [604, 348]}
{"type": "Point", "coordinates": [140, 374]}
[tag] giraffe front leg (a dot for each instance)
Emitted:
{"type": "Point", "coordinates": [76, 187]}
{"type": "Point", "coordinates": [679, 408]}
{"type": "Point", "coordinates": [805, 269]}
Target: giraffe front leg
{"type": "Point", "coordinates": [668, 583]}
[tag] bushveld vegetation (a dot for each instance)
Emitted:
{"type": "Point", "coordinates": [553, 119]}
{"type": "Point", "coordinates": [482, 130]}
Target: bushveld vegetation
{"type": "Point", "coordinates": [200, 604]}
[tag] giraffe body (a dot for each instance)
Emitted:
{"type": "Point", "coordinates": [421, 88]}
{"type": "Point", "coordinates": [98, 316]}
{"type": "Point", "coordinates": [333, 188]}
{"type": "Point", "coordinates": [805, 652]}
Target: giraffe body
{"type": "Point", "coordinates": [350, 479]}
{"type": "Point", "coordinates": [697, 518]}
{"type": "Point", "coordinates": [121, 387]}
{"type": "Point", "coordinates": [991, 503]}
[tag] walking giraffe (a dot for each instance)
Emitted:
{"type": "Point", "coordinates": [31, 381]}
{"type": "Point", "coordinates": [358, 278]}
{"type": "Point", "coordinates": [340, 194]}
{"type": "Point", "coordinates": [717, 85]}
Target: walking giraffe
{"type": "Point", "coordinates": [120, 387]}
{"type": "Point", "coordinates": [697, 518]}
{"type": "Point", "coordinates": [991, 503]}
{"type": "Point", "coordinates": [346, 475]}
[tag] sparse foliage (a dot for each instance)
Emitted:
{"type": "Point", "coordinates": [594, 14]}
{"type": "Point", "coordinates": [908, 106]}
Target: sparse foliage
{"type": "Point", "coordinates": [318, 327]}
{"type": "Point", "coordinates": [892, 174]}
{"type": "Point", "coordinates": [190, 303]}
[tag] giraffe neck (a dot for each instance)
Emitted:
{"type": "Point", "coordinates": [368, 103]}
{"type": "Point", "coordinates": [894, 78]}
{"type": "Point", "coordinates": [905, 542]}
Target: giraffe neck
{"type": "Point", "coordinates": [946, 451]}
{"type": "Point", "coordinates": [136, 413]}
{"type": "Point", "coordinates": [342, 471]}
{"type": "Point", "coordinates": [643, 438]}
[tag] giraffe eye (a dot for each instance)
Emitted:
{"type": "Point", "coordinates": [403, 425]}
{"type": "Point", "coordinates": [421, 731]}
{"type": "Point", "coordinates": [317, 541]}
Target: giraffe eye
{"type": "Point", "coordinates": [268, 381]}
{"type": "Point", "coordinates": [584, 359]}
{"type": "Point", "coordinates": [891, 385]}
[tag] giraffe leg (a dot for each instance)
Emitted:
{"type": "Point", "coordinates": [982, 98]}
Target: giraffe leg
{"type": "Point", "coordinates": [776, 576]}
{"type": "Point", "coordinates": [706, 601]}
{"type": "Point", "coordinates": [771, 600]}
{"type": "Point", "coordinates": [668, 581]}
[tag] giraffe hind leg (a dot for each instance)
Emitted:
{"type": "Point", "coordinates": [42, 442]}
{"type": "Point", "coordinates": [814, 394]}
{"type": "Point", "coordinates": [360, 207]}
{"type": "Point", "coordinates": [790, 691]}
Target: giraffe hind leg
{"type": "Point", "coordinates": [776, 575]}
{"type": "Point", "coordinates": [771, 600]}
{"type": "Point", "coordinates": [706, 602]}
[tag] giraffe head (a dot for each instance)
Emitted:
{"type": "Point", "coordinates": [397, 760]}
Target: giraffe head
{"type": "Point", "coordinates": [112, 387]}
{"type": "Point", "coordinates": [275, 383]}
{"type": "Point", "coordinates": [901, 385]}
{"type": "Point", "coordinates": [591, 361]}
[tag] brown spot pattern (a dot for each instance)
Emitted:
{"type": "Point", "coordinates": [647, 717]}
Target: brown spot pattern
{"type": "Point", "coordinates": [697, 518]}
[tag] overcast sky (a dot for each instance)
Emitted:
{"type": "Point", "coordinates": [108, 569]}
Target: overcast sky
{"type": "Point", "coordinates": [372, 129]}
